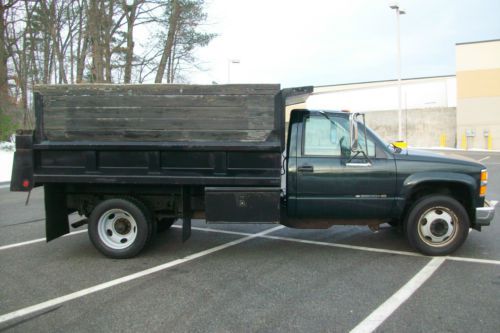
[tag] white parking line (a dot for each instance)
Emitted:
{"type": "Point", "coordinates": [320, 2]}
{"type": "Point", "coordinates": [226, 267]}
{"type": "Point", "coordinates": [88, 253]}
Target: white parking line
{"type": "Point", "coordinates": [38, 240]}
{"type": "Point", "coordinates": [377, 317]}
{"type": "Point", "coordinates": [296, 240]}
{"type": "Point", "coordinates": [474, 260]}
{"type": "Point", "coordinates": [483, 159]}
{"type": "Point", "coordinates": [346, 246]}
{"type": "Point", "coordinates": [59, 300]}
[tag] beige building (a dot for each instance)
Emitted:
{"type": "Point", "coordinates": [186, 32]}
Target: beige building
{"type": "Point", "coordinates": [478, 94]}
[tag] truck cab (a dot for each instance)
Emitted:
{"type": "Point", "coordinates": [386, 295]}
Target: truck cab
{"type": "Point", "coordinates": [327, 179]}
{"type": "Point", "coordinates": [341, 172]}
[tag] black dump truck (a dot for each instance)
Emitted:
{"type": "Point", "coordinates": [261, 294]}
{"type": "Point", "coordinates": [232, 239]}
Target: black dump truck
{"type": "Point", "coordinates": [132, 159]}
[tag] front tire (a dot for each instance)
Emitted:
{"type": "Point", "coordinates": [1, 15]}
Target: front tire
{"type": "Point", "coordinates": [437, 225]}
{"type": "Point", "coordinates": [120, 228]}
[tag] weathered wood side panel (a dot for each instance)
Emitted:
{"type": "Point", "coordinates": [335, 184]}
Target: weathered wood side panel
{"type": "Point", "coordinates": [215, 113]}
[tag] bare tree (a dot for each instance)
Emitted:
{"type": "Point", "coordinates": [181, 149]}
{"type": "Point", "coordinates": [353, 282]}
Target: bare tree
{"type": "Point", "coordinates": [169, 43]}
{"type": "Point", "coordinates": [74, 41]}
{"type": "Point", "coordinates": [183, 36]}
{"type": "Point", "coordinates": [82, 38]}
{"type": "Point", "coordinates": [132, 13]}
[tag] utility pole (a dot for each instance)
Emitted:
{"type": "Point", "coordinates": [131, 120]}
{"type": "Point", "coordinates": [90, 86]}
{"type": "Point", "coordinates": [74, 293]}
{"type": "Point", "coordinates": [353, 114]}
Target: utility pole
{"type": "Point", "coordinates": [399, 12]}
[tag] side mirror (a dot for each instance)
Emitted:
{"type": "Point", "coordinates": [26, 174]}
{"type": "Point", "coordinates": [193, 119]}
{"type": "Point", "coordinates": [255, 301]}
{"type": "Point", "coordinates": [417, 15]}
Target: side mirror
{"type": "Point", "coordinates": [400, 144]}
{"type": "Point", "coordinates": [353, 131]}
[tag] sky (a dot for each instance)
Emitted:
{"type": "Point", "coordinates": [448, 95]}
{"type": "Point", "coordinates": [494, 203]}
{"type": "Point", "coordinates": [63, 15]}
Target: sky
{"type": "Point", "coordinates": [324, 42]}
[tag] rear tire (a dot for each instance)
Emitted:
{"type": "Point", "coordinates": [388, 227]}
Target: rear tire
{"type": "Point", "coordinates": [120, 228]}
{"type": "Point", "coordinates": [437, 225]}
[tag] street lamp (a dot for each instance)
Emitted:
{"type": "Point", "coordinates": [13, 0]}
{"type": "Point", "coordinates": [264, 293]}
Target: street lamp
{"type": "Point", "coordinates": [399, 12]}
{"type": "Point", "coordinates": [229, 62]}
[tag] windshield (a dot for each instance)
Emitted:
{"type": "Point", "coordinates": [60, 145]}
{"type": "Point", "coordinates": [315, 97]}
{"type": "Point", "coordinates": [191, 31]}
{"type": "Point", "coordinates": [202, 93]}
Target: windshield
{"type": "Point", "coordinates": [393, 148]}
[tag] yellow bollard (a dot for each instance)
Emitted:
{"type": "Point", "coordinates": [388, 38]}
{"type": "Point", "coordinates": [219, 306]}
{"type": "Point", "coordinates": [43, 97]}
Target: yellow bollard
{"type": "Point", "coordinates": [464, 142]}
{"type": "Point", "coordinates": [490, 142]}
{"type": "Point", "coordinates": [442, 140]}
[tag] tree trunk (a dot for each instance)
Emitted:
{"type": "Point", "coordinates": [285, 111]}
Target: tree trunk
{"type": "Point", "coordinates": [83, 42]}
{"type": "Point", "coordinates": [35, 77]}
{"type": "Point", "coordinates": [4, 84]}
{"type": "Point", "coordinates": [167, 51]}
{"type": "Point", "coordinates": [46, 58]}
{"type": "Point", "coordinates": [106, 43]}
{"type": "Point", "coordinates": [94, 29]}
{"type": "Point", "coordinates": [53, 21]}
{"type": "Point", "coordinates": [71, 52]}
{"type": "Point", "coordinates": [130, 42]}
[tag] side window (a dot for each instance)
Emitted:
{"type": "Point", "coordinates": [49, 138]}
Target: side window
{"type": "Point", "coordinates": [324, 137]}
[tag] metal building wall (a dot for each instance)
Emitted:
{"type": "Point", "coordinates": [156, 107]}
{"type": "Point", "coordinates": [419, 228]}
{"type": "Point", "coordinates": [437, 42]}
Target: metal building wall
{"type": "Point", "coordinates": [478, 95]}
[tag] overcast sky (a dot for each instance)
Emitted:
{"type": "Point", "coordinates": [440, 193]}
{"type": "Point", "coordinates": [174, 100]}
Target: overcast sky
{"type": "Point", "coordinates": [322, 42]}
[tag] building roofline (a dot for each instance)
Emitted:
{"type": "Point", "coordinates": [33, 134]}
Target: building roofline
{"type": "Point", "coordinates": [479, 41]}
{"type": "Point", "coordinates": [381, 81]}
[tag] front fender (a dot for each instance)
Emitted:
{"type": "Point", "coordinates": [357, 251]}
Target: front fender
{"type": "Point", "coordinates": [419, 178]}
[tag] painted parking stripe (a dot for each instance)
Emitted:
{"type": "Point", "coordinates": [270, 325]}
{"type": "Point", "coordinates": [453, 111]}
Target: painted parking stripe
{"type": "Point", "coordinates": [377, 317]}
{"type": "Point", "coordinates": [38, 240]}
{"type": "Point", "coordinates": [44, 306]}
{"type": "Point", "coordinates": [296, 240]}
{"type": "Point", "coordinates": [350, 247]}
{"type": "Point", "coordinates": [474, 260]}
{"type": "Point", "coordinates": [484, 159]}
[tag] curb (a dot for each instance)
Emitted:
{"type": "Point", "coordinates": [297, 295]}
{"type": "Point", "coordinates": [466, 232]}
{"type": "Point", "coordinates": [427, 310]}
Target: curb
{"type": "Point", "coordinates": [472, 150]}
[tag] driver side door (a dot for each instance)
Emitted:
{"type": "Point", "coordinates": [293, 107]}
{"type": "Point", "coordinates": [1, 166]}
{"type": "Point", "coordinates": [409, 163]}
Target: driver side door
{"type": "Point", "coordinates": [329, 184]}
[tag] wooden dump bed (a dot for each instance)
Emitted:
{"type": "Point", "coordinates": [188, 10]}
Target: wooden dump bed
{"type": "Point", "coordinates": [158, 134]}
{"type": "Point", "coordinates": [159, 113]}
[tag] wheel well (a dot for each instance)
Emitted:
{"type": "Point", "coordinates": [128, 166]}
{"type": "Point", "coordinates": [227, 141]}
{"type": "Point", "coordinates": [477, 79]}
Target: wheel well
{"type": "Point", "coordinates": [457, 191]}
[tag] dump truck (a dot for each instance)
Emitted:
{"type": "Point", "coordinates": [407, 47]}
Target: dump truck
{"type": "Point", "coordinates": [133, 159]}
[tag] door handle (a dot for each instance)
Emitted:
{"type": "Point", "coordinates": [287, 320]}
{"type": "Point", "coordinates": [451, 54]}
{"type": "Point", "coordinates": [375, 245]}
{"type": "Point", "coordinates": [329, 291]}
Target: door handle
{"type": "Point", "coordinates": [306, 168]}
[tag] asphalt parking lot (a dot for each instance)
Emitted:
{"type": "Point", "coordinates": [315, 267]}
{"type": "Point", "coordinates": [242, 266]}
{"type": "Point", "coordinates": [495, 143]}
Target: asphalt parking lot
{"type": "Point", "coordinates": [241, 278]}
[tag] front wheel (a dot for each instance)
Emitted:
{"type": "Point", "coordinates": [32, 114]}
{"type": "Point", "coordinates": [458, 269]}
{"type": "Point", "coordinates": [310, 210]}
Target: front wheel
{"type": "Point", "coordinates": [437, 225]}
{"type": "Point", "coordinates": [119, 228]}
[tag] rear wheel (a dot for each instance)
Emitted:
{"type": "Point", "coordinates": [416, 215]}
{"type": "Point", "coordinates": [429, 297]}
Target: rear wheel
{"type": "Point", "coordinates": [437, 225]}
{"type": "Point", "coordinates": [120, 228]}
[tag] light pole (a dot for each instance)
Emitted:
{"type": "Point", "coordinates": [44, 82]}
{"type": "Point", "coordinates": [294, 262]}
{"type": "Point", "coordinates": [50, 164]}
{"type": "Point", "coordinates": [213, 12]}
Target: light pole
{"type": "Point", "coordinates": [229, 62]}
{"type": "Point", "coordinates": [399, 12]}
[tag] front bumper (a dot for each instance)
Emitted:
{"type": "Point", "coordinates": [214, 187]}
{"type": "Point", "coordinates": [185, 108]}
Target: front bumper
{"type": "Point", "coordinates": [484, 215]}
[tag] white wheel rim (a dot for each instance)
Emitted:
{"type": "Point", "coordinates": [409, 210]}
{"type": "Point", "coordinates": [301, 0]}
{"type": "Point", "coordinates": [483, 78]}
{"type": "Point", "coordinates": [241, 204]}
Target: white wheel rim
{"type": "Point", "coordinates": [117, 229]}
{"type": "Point", "coordinates": [438, 226]}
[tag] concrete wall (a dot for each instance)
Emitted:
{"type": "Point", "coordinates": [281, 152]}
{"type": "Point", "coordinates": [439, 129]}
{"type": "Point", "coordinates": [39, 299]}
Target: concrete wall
{"type": "Point", "coordinates": [431, 105]}
{"type": "Point", "coordinates": [478, 95]}
{"type": "Point", "coordinates": [430, 127]}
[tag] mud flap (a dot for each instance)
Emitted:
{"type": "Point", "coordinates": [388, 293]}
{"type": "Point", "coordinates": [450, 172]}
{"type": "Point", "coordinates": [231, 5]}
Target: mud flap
{"type": "Point", "coordinates": [22, 169]}
{"type": "Point", "coordinates": [186, 213]}
{"type": "Point", "coordinates": [56, 211]}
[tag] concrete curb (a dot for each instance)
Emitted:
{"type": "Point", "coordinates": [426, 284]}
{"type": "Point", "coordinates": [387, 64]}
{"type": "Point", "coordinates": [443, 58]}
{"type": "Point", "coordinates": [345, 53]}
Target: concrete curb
{"type": "Point", "coordinates": [457, 149]}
